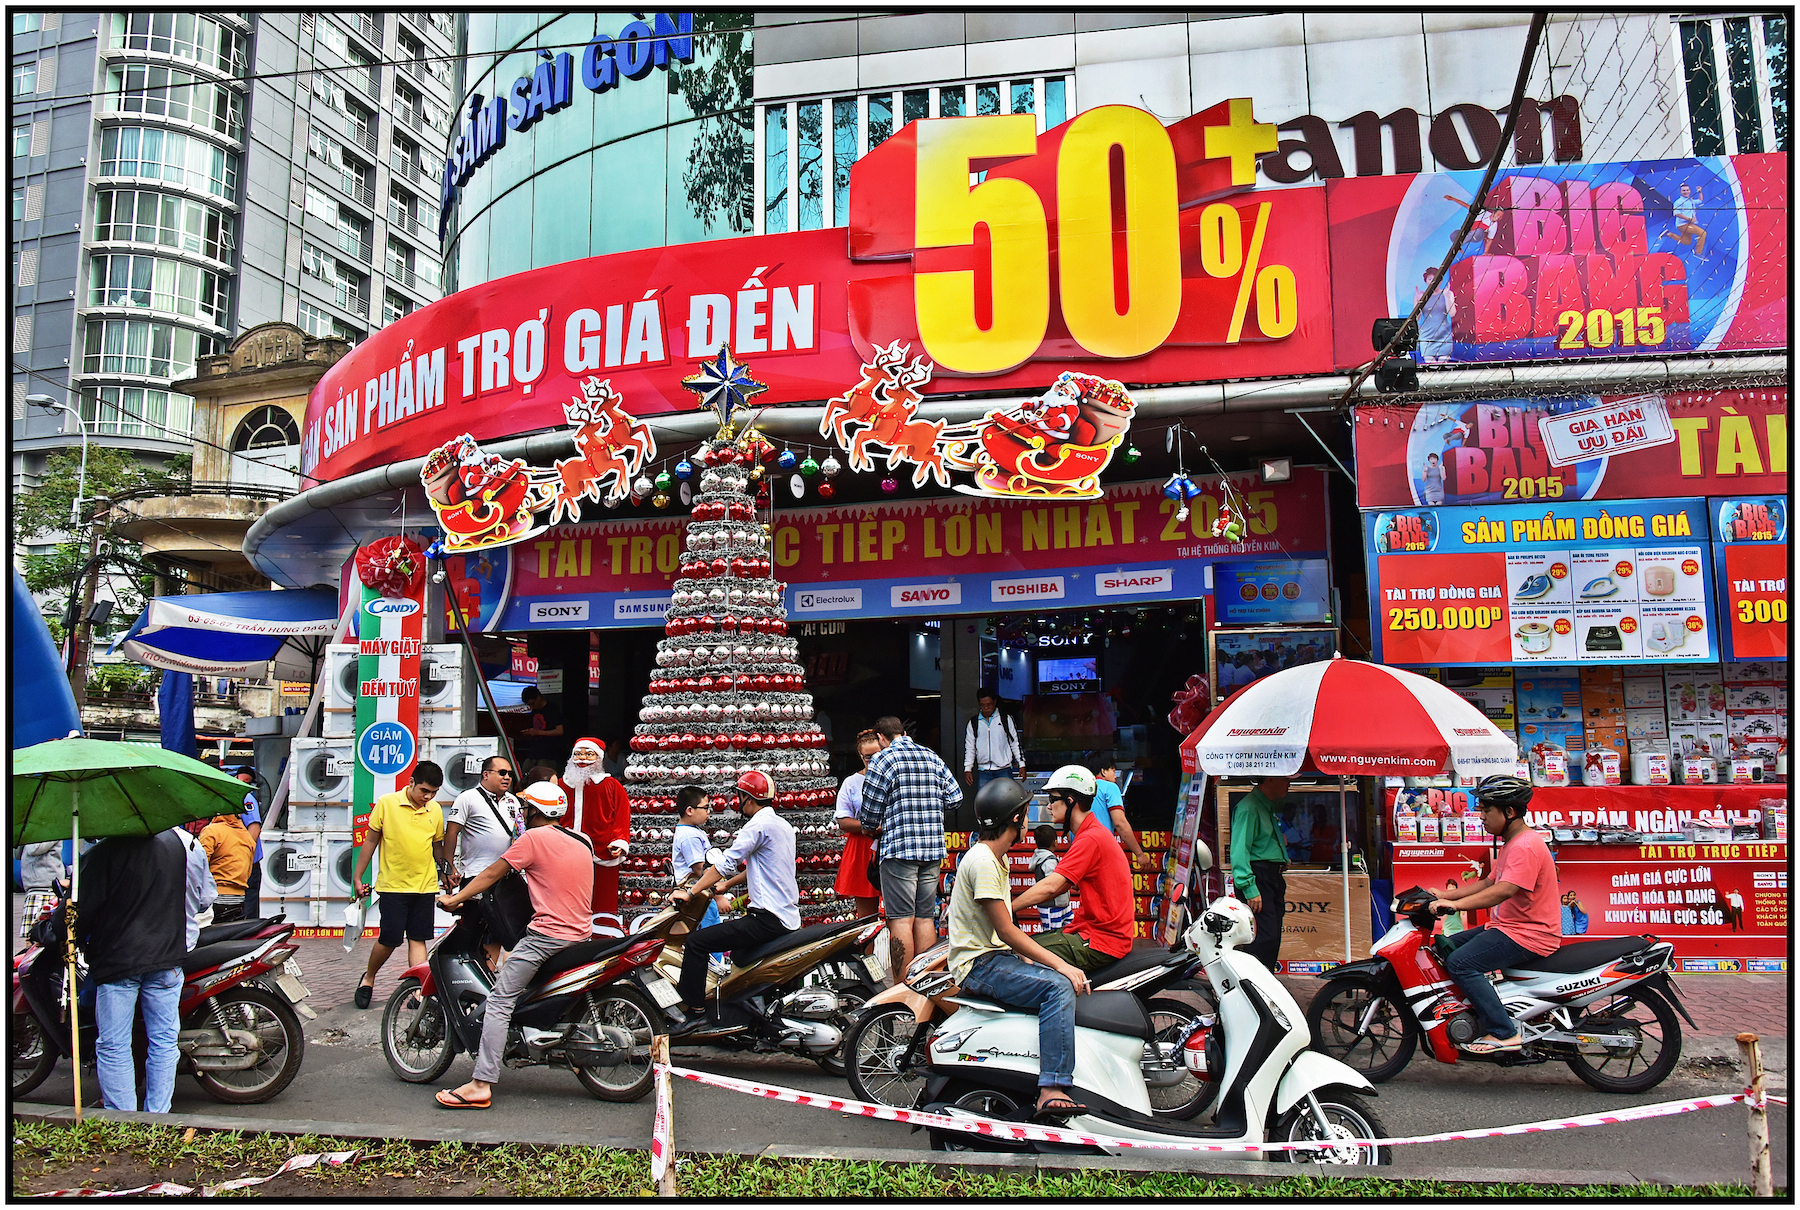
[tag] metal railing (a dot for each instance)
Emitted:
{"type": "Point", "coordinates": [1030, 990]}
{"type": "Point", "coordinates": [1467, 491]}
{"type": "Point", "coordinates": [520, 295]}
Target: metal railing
{"type": "Point", "coordinates": [363, 136]}
{"type": "Point", "coordinates": [368, 27]}
{"type": "Point", "coordinates": [246, 491]}
{"type": "Point", "coordinates": [402, 276]}
{"type": "Point", "coordinates": [356, 304]}
{"type": "Point", "coordinates": [402, 220]}
{"type": "Point", "coordinates": [411, 170]}
{"type": "Point", "coordinates": [354, 187]}
{"type": "Point", "coordinates": [361, 250]}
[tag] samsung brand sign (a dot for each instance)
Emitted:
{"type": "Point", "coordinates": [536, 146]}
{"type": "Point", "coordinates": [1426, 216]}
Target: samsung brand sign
{"type": "Point", "coordinates": [650, 42]}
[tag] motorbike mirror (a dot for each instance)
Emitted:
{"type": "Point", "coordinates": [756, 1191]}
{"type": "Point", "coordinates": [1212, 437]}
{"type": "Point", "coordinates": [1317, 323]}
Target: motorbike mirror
{"type": "Point", "coordinates": [1202, 859]}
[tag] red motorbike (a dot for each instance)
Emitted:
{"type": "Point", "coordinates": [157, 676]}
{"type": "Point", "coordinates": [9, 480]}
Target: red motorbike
{"type": "Point", "coordinates": [1606, 1008]}
{"type": "Point", "coordinates": [241, 1004]}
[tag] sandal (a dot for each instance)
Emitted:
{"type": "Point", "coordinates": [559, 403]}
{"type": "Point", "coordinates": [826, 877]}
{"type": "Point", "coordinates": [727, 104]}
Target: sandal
{"type": "Point", "coordinates": [458, 1101]}
{"type": "Point", "coordinates": [1056, 1109]}
{"type": "Point", "coordinates": [1490, 1044]}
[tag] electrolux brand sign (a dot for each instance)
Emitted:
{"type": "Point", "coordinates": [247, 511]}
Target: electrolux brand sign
{"type": "Point", "coordinates": [649, 42]}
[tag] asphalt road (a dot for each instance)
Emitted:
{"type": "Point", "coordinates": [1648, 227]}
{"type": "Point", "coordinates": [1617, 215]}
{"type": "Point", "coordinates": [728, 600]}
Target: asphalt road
{"type": "Point", "coordinates": [345, 1078]}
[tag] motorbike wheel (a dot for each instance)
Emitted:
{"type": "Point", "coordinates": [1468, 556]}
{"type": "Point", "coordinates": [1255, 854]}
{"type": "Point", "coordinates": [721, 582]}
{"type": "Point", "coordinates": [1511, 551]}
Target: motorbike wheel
{"type": "Point", "coordinates": [1653, 1020]}
{"type": "Point", "coordinates": [989, 1103]}
{"type": "Point", "coordinates": [622, 1008]}
{"type": "Point", "coordinates": [33, 1058]}
{"type": "Point", "coordinates": [851, 998]}
{"type": "Point", "coordinates": [1381, 1053]}
{"type": "Point", "coordinates": [872, 1051]}
{"type": "Point", "coordinates": [427, 1054]}
{"type": "Point", "coordinates": [1185, 1100]}
{"type": "Point", "coordinates": [1349, 1117]}
{"type": "Point", "coordinates": [284, 1045]}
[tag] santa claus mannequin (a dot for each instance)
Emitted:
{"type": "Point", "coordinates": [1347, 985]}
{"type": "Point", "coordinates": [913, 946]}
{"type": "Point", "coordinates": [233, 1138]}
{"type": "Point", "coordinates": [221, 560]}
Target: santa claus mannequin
{"type": "Point", "coordinates": [599, 810]}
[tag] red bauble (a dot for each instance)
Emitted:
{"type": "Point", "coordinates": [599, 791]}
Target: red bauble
{"type": "Point", "coordinates": [826, 491]}
{"type": "Point", "coordinates": [718, 567]}
{"type": "Point", "coordinates": [704, 684]}
{"type": "Point", "coordinates": [729, 622]}
{"type": "Point", "coordinates": [708, 623]}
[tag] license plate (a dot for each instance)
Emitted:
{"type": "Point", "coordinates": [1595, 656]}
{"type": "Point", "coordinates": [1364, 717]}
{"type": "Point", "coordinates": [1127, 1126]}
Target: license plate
{"type": "Point", "coordinates": [291, 987]}
{"type": "Point", "coordinates": [661, 990]}
{"type": "Point", "coordinates": [874, 969]}
{"type": "Point", "coordinates": [292, 967]}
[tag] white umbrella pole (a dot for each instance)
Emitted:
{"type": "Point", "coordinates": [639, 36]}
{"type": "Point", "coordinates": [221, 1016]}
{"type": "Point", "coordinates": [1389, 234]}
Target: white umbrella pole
{"type": "Point", "coordinates": [69, 913]}
{"type": "Point", "coordinates": [1344, 841]}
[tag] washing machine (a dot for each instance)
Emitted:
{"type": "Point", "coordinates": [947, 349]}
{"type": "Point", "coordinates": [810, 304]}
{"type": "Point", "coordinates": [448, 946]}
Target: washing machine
{"type": "Point", "coordinates": [461, 761]}
{"type": "Point", "coordinates": [318, 817]}
{"type": "Point", "coordinates": [324, 771]}
{"type": "Point", "coordinates": [339, 865]}
{"type": "Point", "coordinates": [292, 879]}
{"type": "Point", "coordinates": [444, 690]}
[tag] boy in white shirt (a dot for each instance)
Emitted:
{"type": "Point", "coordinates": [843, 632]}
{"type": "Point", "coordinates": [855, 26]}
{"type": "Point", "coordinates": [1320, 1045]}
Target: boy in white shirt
{"type": "Point", "coordinates": [687, 856]}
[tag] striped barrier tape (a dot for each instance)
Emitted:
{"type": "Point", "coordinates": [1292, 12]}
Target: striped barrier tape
{"type": "Point", "coordinates": [171, 1189]}
{"type": "Point", "coordinates": [1026, 1132]}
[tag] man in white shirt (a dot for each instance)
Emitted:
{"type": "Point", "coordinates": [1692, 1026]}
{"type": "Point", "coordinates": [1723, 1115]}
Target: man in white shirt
{"type": "Point", "coordinates": [765, 849]}
{"type": "Point", "coordinates": [990, 744]}
{"type": "Point", "coordinates": [483, 821]}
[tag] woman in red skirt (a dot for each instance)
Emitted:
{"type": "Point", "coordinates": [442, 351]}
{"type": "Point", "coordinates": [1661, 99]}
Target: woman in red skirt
{"type": "Point", "coordinates": [859, 845]}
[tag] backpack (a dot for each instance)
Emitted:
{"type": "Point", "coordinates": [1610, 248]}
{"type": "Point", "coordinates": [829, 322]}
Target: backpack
{"type": "Point", "coordinates": [507, 904]}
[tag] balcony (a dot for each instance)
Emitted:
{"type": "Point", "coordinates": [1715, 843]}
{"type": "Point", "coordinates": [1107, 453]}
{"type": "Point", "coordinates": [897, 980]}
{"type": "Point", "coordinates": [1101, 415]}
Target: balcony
{"type": "Point", "coordinates": [400, 275]}
{"type": "Point", "coordinates": [409, 224]}
{"type": "Point", "coordinates": [204, 525]}
{"type": "Point", "coordinates": [356, 304]}
{"type": "Point", "coordinates": [360, 133]}
{"type": "Point", "coordinates": [361, 248]}
{"type": "Point", "coordinates": [355, 188]}
{"type": "Point", "coordinates": [411, 170]}
{"type": "Point", "coordinates": [367, 27]}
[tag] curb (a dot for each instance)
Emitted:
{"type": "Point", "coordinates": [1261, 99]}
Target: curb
{"type": "Point", "coordinates": [1253, 1171]}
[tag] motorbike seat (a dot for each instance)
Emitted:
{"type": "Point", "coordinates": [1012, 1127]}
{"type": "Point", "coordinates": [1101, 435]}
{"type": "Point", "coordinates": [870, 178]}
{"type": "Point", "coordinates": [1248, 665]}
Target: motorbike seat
{"type": "Point", "coordinates": [1109, 1012]}
{"type": "Point", "coordinates": [206, 956]}
{"type": "Point", "coordinates": [1134, 963]}
{"type": "Point", "coordinates": [234, 930]}
{"type": "Point", "coordinates": [583, 952]}
{"type": "Point", "coordinates": [1582, 955]}
{"type": "Point", "coordinates": [750, 955]}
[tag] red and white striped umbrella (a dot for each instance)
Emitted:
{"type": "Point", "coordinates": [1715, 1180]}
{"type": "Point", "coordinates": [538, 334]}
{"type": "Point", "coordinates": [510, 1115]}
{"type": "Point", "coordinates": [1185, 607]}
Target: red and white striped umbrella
{"type": "Point", "coordinates": [1348, 718]}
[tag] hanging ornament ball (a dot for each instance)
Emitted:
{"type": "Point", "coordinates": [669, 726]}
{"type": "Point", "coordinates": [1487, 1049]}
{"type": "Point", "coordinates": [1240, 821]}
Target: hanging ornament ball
{"type": "Point", "coordinates": [664, 481]}
{"type": "Point", "coordinates": [826, 491]}
{"type": "Point", "coordinates": [809, 466]}
{"type": "Point", "coordinates": [642, 487]}
{"type": "Point", "coordinates": [787, 460]}
{"type": "Point", "coordinates": [684, 469]}
{"type": "Point", "coordinates": [687, 493]}
{"type": "Point", "coordinates": [890, 485]}
{"type": "Point", "coordinates": [830, 466]}
{"type": "Point", "coordinates": [614, 501]}
{"type": "Point", "coordinates": [756, 474]}
{"type": "Point", "coordinates": [1131, 455]}
{"type": "Point", "coordinates": [660, 499]}
{"type": "Point", "coordinates": [797, 485]}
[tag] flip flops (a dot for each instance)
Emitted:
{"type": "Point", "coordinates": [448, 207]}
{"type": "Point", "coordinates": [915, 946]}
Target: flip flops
{"type": "Point", "coordinates": [1058, 1109]}
{"type": "Point", "coordinates": [449, 1098]}
{"type": "Point", "coordinates": [1490, 1044]}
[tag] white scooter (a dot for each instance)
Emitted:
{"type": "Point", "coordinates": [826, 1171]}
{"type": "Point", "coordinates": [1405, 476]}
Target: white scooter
{"type": "Point", "coordinates": [984, 1064]}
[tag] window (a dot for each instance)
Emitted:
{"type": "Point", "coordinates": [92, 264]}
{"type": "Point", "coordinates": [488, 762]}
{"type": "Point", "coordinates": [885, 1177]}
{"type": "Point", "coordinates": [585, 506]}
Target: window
{"type": "Point", "coordinates": [157, 218]}
{"type": "Point", "coordinates": [135, 346]}
{"type": "Point", "coordinates": [160, 285]}
{"type": "Point", "coordinates": [353, 235]}
{"type": "Point", "coordinates": [18, 203]}
{"type": "Point", "coordinates": [28, 267]}
{"type": "Point", "coordinates": [775, 173]}
{"type": "Point", "coordinates": [317, 262]}
{"type": "Point", "coordinates": [266, 428]}
{"type": "Point", "coordinates": [141, 88]}
{"type": "Point", "coordinates": [325, 325]}
{"type": "Point", "coordinates": [27, 23]}
{"type": "Point", "coordinates": [24, 78]}
{"type": "Point", "coordinates": [393, 306]}
{"type": "Point", "coordinates": [21, 140]}
{"type": "Point", "coordinates": [1737, 83]}
{"type": "Point", "coordinates": [811, 166]}
{"type": "Point", "coordinates": [400, 261]}
{"type": "Point", "coordinates": [190, 36]}
{"type": "Point", "coordinates": [168, 155]}
{"type": "Point", "coordinates": [138, 412]}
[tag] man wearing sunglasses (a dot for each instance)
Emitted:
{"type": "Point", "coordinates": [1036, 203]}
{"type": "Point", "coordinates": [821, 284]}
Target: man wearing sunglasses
{"type": "Point", "coordinates": [1095, 867]}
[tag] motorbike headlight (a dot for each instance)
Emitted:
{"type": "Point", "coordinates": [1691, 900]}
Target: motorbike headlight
{"type": "Point", "coordinates": [953, 1041]}
{"type": "Point", "coordinates": [927, 960]}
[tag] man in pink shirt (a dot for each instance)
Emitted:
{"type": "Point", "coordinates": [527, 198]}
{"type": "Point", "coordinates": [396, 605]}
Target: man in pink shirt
{"type": "Point", "coordinates": [1526, 921]}
{"type": "Point", "coordinates": [558, 866]}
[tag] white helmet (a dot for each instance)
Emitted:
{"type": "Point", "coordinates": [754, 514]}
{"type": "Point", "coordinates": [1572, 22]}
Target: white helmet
{"type": "Point", "coordinates": [546, 798]}
{"type": "Point", "coordinates": [1075, 778]}
{"type": "Point", "coordinates": [1226, 924]}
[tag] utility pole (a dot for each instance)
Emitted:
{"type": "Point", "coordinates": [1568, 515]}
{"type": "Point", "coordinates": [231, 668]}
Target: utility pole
{"type": "Point", "coordinates": [83, 631]}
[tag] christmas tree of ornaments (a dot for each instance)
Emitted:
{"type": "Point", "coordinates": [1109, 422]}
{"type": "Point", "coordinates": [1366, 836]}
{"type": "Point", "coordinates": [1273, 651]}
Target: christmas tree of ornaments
{"type": "Point", "coordinates": [727, 695]}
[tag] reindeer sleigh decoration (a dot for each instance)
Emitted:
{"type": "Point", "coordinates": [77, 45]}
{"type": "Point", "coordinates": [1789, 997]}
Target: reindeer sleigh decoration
{"type": "Point", "coordinates": [483, 500]}
{"type": "Point", "coordinates": [1051, 447]}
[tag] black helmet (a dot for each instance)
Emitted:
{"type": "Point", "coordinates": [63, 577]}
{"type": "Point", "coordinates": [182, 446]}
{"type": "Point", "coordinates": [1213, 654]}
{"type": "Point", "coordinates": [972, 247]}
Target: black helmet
{"type": "Point", "coordinates": [999, 802]}
{"type": "Point", "coordinates": [1511, 794]}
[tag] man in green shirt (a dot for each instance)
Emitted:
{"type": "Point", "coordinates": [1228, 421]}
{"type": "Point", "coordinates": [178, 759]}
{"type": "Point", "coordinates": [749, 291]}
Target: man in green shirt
{"type": "Point", "coordinates": [1259, 865]}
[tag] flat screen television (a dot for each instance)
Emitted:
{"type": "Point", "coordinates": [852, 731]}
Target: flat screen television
{"type": "Point", "coordinates": [1076, 674]}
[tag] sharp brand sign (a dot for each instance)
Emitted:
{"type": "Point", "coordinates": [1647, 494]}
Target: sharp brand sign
{"type": "Point", "coordinates": [651, 41]}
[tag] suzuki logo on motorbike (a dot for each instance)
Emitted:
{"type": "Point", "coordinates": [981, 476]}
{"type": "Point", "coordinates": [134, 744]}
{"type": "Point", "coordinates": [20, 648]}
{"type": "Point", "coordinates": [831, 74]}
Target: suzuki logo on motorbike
{"type": "Point", "coordinates": [398, 607]}
{"type": "Point", "coordinates": [1576, 986]}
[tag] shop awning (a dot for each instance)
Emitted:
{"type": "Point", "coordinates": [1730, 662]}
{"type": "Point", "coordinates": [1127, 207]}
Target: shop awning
{"type": "Point", "coordinates": [235, 633]}
{"type": "Point", "coordinates": [37, 676]}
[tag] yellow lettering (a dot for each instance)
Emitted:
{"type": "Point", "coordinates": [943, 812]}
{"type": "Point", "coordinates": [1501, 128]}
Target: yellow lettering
{"type": "Point", "coordinates": [865, 542]}
{"type": "Point", "coordinates": [956, 535]}
{"type": "Point", "coordinates": [618, 554]}
{"type": "Point", "coordinates": [1127, 520]}
{"type": "Point", "coordinates": [1776, 423]}
{"type": "Point", "coordinates": [893, 533]}
{"type": "Point", "coordinates": [1687, 436]}
{"type": "Point", "coordinates": [668, 552]}
{"type": "Point", "coordinates": [566, 562]}
{"type": "Point", "coordinates": [1565, 529]}
{"type": "Point", "coordinates": [827, 542]}
{"type": "Point", "coordinates": [1036, 525]}
{"type": "Point", "coordinates": [1099, 526]}
{"type": "Point", "coordinates": [643, 550]}
{"type": "Point", "coordinates": [1468, 532]}
{"type": "Point", "coordinates": [787, 546]}
{"type": "Point", "coordinates": [931, 545]}
{"type": "Point", "coordinates": [1518, 531]}
{"type": "Point", "coordinates": [1068, 528]}
{"type": "Point", "coordinates": [1738, 454]}
{"type": "Point", "coordinates": [544, 548]}
{"type": "Point", "coordinates": [987, 534]}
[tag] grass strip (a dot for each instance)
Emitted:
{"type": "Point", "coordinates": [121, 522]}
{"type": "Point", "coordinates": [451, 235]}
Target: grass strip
{"type": "Point", "coordinates": [134, 1153]}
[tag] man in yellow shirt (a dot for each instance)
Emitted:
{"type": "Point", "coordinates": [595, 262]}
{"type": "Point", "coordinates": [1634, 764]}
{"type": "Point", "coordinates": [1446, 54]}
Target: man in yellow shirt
{"type": "Point", "coordinates": [408, 827]}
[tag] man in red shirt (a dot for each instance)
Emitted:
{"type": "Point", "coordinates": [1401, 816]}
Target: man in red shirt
{"type": "Point", "coordinates": [1101, 931]}
{"type": "Point", "coordinates": [1526, 921]}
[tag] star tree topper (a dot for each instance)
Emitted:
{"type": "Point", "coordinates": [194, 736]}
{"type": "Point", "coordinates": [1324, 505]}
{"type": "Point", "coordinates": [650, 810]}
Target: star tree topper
{"type": "Point", "coordinates": [723, 384]}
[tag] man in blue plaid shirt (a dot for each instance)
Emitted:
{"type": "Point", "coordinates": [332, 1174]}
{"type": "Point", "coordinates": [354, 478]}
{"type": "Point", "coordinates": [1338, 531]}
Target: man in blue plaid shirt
{"type": "Point", "coordinates": [904, 796]}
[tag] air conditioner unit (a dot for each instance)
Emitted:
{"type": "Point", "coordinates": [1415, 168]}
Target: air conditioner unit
{"type": "Point", "coordinates": [291, 870]}
{"type": "Point", "coordinates": [324, 770]}
{"type": "Point", "coordinates": [461, 761]}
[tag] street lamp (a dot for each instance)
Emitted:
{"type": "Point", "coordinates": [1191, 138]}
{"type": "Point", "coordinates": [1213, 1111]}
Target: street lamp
{"type": "Point", "coordinates": [50, 404]}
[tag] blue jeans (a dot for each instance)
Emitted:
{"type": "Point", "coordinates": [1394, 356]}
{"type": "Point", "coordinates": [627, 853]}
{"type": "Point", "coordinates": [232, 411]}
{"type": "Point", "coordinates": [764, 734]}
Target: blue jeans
{"type": "Point", "coordinates": [1476, 952]}
{"type": "Point", "coordinates": [115, 1012]}
{"type": "Point", "coordinates": [984, 776]}
{"type": "Point", "coordinates": [1008, 978]}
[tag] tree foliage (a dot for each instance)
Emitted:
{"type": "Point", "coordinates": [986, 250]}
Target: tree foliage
{"type": "Point", "coordinates": [718, 87]}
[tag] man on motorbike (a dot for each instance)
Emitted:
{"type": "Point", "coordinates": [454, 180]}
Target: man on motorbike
{"type": "Point", "coordinates": [991, 956]}
{"type": "Point", "coordinates": [1100, 933]}
{"type": "Point", "coordinates": [1526, 921]}
{"type": "Point", "coordinates": [558, 866]}
{"type": "Point", "coordinates": [765, 847]}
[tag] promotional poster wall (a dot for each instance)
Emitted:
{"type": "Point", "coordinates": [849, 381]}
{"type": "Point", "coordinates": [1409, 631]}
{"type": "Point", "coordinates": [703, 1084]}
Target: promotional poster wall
{"type": "Point", "coordinates": [1588, 447]}
{"type": "Point", "coordinates": [1571, 583]}
{"type": "Point", "coordinates": [1568, 260]}
{"type": "Point", "coordinates": [940, 555]}
{"type": "Point", "coordinates": [1750, 539]}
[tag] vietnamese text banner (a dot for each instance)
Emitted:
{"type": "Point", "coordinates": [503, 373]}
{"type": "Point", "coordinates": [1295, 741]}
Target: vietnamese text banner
{"type": "Point", "coordinates": [1572, 583]}
{"type": "Point", "coordinates": [1750, 549]}
{"type": "Point", "coordinates": [950, 554]}
{"type": "Point", "coordinates": [1568, 260]}
{"type": "Point", "coordinates": [1506, 451]}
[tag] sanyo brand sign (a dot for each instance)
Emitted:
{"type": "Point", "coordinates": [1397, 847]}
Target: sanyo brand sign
{"type": "Point", "coordinates": [394, 607]}
{"type": "Point", "coordinates": [651, 41]}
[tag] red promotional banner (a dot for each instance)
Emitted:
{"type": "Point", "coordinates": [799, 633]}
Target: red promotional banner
{"type": "Point", "coordinates": [1753, 581]}
{"type": "Point", "coordinates": [1493, 451]}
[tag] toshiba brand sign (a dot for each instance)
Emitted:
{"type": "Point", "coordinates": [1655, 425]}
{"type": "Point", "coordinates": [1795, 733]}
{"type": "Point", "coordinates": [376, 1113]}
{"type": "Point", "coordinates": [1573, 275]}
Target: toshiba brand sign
{"type": "Point", "coordinates": [912, 596]}
{"type": "Point", "coordinates": [1130, 583]}
{"type": "Point", "coordinates": [1038, 588]}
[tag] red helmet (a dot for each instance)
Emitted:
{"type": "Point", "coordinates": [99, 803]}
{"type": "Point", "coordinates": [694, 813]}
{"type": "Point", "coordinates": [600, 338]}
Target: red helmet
{"type": "Point", "coordinates": [756, 784]}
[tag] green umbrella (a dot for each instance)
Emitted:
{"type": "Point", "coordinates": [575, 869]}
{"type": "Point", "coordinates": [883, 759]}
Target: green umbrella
{"type": "Point", "coordinates": [90, 787]}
